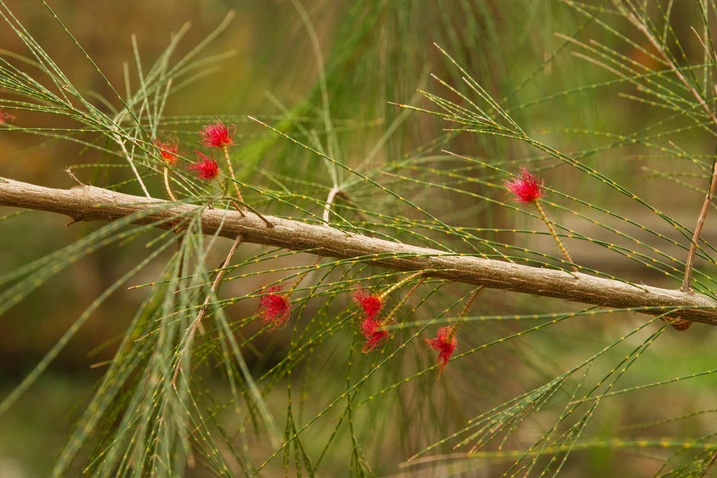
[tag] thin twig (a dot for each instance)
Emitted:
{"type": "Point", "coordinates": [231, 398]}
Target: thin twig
{"type": "Point", "coordinates": [215, 286]}
{"type": "Point", "coordinates": [555, 235]}
{"type": "Point", "coordinates": [90, 203]}
{"type": "Point", "coordinates": [640, 25]}
{"type": "Point", "coordinates": [72, 175]}
{"type": "Point", "coordinates": [197, 324]}
{"type": "Point", "coordinates": [327, 207]}
{"type": "Point", "coordinates": [166, 184]}
{"type": "Point", "coordinates": [231, 174]}
{"type": "Point", "coordinates": [238, 202]}
{"type": "Point", "coordinates": [131, 165]}
{"type": "Point", "coordinates": [710, 463]}
{"type": "Point", "coordinates": [689, 264]}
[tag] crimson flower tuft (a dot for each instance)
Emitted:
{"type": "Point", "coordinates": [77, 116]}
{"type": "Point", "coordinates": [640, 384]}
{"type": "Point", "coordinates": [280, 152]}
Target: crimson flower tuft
{"type": "Point", "coordinates": [527, 188]}
{"type": "Point", "coordinates": [445, 343]}
{"type": "Point", "coordinates": [217, 135]}
{"type": "Point", "coordinates": [274, 307]}
{"type": "Point", "coordinates": [6, 117]}
{"type": "Point", "coordinates": [371, 304]}
{"type": "Point", "coordinates": [373, 336]}
{"type": "Point", "coordinates": [206, 168]}
{"type": "Point", "coordinates": [168, 150]}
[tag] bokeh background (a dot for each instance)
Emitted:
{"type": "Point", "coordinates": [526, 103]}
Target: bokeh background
{"type": "Point", "coordinates": [374, 52]}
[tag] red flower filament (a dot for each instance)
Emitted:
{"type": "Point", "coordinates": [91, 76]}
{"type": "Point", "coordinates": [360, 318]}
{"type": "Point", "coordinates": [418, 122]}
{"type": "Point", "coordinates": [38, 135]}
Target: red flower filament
{"type": "Point", "coordinates": [527, 188]}
{"type": "Point", "coordinates": [373, 336]}
{"type": "Point", "coordinates": [445, 343]}
{"type": "Point", "coordinates": [371, 305]}
{"type": "Point", "coordinates": [168, 150]}
{"type": "Point", "coordinates": [217, 135]}
{"type": "Point", "coordinates": [274, 307]}
{"type": "Point", "coordinates": [206, 168]}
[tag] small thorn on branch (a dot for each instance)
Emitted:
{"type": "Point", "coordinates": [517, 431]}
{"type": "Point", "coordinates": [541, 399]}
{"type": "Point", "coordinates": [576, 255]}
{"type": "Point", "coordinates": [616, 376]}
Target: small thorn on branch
{"type": "Point", "coordinates": [74, 221]}
{"type": "Point", "coordinates": [74, 178]}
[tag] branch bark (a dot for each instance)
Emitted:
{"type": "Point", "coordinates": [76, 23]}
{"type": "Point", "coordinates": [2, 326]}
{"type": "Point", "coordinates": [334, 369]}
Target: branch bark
{"type": "Point", "coordinates": [89, 203]}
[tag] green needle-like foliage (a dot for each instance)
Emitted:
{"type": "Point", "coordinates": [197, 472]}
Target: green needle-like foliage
{"type": "Point", "coordinates": [406, 122]}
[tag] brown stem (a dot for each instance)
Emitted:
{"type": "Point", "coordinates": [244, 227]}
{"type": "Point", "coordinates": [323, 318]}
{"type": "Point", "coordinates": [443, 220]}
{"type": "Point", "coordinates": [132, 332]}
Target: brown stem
{"type": "Point", "coordinates": [231, 173]}
{"type": "Point", "coordinates": [197, 324]}
{"type": "Point", "coordinates": [90, 203]}
{"type": "Point", "coordinates": [689, 264]}
{"type": "Point", "coordinates": [555, 235]}
{"type": "Point", "coordinates": [239, 205]}
{"type": "Point", "coordinates": [215, 286]}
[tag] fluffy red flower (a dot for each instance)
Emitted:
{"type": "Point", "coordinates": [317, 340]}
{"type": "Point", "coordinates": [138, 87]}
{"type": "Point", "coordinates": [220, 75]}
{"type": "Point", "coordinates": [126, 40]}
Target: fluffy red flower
{"type": "Point", "coordinates": [274, 307]}
{"type": "Point", "coordinates": [206, 168]}
{"type": "Point", "coordinates": [168, 150]}
{"type": "Point", "coordinates": [216, 135]}
{"type": "Point", "coordinates": [373, 336]}
{"type": "Point", "coordinates": [371, 304]}
{"type": "Point", "coordinates": [6, 117]}
{"type": "Point", "coordinates": [445, 343]}
{"type": "Point", "coordinates": [527, 188]}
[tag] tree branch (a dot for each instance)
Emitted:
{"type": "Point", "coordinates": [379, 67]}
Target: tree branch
{"type": "Point", "coordinates": [89, 203]}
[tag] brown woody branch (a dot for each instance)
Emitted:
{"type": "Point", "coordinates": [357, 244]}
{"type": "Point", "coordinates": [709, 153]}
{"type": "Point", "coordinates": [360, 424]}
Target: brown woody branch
{"type": "Point", "coordinates": [89, 203]}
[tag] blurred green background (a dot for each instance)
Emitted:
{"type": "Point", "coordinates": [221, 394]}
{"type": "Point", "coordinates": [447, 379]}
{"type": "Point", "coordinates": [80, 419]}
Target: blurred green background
{"type": "Point", "coordinates": [374, 52]}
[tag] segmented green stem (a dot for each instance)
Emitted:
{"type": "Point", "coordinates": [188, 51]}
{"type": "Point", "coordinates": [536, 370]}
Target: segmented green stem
{"type": "Point", "coordinates": [555, 235]}
{"type": "Point", "coordinates": [231, 173]}
{"type": "Point", "coordinates": [167, 187]}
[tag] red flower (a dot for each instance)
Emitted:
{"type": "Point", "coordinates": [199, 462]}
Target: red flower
{"type": "Point", "coordinates": [274, 308]}
{"type": "Point", "coordinates": [527, 188]}
{"type": "Point", "coordinates": [217, 135]}
{"type": "Point", "coordinates": [373, 337]}
{"type": "Point", "coordinates": [206, 168]}
{"type": "Point", "coordinates": [168, 150]}
{"type": "Point", "coordinates": [371, 304]}
{"type": "Point", "coordinates": [445, 343]}
{"type": "Point", "coordinates": [6, 117]}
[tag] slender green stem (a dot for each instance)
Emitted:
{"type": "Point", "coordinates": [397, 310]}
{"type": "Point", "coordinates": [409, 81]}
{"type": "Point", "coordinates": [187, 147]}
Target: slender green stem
{"type": "Point", "coordinates": [464, 311]}
{"type": "Point", "coordinates": [167, 187]}
{"type": "Point", "coordinates": [555, 235]}
{"type": "Point", "coordinates": [401, 283]}
{"type": "Point", "coordinates": [231, 173]}
{"type": "Point", "coordinates": [387, 320]}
